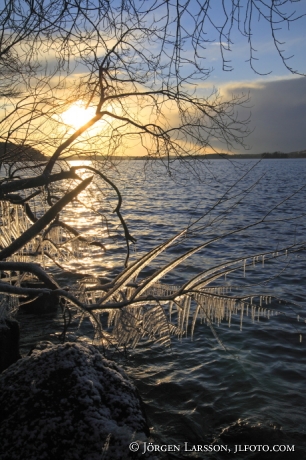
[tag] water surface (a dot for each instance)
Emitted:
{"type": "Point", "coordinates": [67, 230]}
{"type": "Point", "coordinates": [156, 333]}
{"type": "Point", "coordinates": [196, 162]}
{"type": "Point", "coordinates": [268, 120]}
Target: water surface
{"type": "Point", "coordinates": [253, 391]}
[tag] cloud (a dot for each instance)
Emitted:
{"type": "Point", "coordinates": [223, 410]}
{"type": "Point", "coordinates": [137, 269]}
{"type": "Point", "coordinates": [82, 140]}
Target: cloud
{"type": "Point", "coordinates": [278, 113]}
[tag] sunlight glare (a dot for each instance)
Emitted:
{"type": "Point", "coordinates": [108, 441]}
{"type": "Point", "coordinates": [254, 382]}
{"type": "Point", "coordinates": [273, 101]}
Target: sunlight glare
{"type": "Point", "coordinates": [77, 115]}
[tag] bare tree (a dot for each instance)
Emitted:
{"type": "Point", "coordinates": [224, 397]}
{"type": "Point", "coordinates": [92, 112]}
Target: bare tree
{"type": "Point", "coordinates": [135, 67]}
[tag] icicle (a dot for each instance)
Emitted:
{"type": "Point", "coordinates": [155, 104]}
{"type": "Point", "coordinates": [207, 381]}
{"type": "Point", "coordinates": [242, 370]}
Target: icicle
{"type": "Point", "coordinates": [263, 260]}
{"type": "Point", "coordinates": [43, 256]}
{"type": "Point", "coordinates": [260, 300]}
{"type": "Point", "coordinates": [244, 264]}
{"type": "Point", "coordinates": [252, 313]}
{"type": "Point", "coordinates": [17, 220]}
{"type": "Point", "coordinates": [300, 338]}
{"type": "Point", "coordinates": [187, 311]}
{"type": "Point", "coordinates": [298, 318]}
{"type": "Point", "coordinates": [194, 319]}
{"type": "Point", "coordinates": [241, 315]}
{"type": "Point", "coordinates": [170, 309]}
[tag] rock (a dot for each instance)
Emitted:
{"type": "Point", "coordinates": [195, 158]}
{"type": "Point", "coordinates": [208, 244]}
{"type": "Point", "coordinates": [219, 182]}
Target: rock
{"type": "Point", "coordinates": [9, 343]}
{"type": "Point", "coordinates": [68, 402]}
{"type": "Point", "coordinates": [44, 303]}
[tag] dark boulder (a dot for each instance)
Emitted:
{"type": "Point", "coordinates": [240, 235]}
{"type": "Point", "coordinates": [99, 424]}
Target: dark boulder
{"type": "Point", "coordinates": [68, 402]}
{"type": "Point", "coordinates": [42, 305]}
{"type": "Point", "coordinates": [38, 304]}
{"type": "Point", "coordinates": [9, 343]}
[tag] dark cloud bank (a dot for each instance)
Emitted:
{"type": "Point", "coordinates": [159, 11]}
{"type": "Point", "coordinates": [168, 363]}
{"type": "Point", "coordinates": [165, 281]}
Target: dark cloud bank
{"type": "Point", "coordinates": [278, 115]}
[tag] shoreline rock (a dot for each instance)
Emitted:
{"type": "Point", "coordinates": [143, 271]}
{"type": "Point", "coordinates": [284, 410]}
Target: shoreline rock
{"type": "Point", "coordinates": [9, 343]}
{"type": "Point", "coordinates": [68, 402]}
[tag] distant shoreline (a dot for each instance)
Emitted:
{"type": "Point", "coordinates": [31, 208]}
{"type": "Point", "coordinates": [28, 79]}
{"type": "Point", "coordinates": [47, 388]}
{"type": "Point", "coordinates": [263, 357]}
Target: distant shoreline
{"type": "Point", "coordinates": [213, 156]}
{"type": "Point", "coordinates": [10, 152]}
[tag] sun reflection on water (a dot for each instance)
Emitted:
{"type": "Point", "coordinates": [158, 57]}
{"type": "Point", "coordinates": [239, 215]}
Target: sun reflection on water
{"type": "Point", "coordinates": [91, 215]}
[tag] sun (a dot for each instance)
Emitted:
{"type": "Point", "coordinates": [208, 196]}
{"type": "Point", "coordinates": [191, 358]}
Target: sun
{"type": "Point", "coordinates": [77, 115]}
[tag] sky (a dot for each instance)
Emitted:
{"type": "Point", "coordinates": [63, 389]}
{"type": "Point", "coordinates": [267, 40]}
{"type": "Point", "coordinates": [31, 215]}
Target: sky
{"type": "Point", "coordinates": [278, 99]}
{"type": "Point", "coordinates": [278, 113]}
{"type": "Point", "coordinates": [277, 106]}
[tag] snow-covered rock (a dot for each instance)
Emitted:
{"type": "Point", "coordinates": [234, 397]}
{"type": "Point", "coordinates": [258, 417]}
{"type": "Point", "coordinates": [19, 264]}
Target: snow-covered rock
{"type": "Point", "coordinates": [68, 402]}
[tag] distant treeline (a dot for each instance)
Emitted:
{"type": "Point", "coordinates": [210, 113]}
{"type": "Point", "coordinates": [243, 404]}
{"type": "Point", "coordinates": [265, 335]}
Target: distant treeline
{"type": "Point", "coordinates": [301, 154]}
{"type": "Point", "coordinates": [10, 152]}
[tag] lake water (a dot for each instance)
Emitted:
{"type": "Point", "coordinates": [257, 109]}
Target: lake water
{"type": "Point", "coordinates": [253, 391]}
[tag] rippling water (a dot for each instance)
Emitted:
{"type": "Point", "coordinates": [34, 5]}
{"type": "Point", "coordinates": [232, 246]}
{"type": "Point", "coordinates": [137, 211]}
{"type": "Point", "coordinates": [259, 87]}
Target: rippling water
{"type": "Point", "coordinates": [254, 391]}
